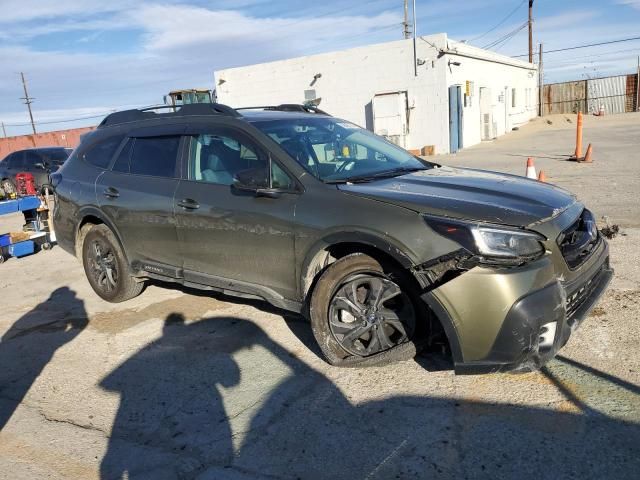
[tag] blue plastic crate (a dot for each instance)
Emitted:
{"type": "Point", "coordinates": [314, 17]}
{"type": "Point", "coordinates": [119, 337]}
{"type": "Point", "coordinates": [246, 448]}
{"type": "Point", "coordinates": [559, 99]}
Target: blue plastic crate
{"type": "Point", "coordinates": [21, 249]}
{"type": "Point", "coordinates": [5, 240]}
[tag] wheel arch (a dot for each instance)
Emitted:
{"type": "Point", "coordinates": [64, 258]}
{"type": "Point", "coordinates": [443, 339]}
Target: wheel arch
{"type": "Point", "coordinates": [338, 245]}
{"type": "Point", "coordinates": [94, 216]}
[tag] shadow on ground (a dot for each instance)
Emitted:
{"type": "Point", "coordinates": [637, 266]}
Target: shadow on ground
{"type": "Point", "coordinates": [218, 399]}
{"type": "Point", "coordinates": [31, 342]}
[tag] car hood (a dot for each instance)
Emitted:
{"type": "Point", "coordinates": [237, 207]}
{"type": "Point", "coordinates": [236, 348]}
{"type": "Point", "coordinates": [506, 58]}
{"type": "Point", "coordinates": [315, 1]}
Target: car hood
{"type": "Point", "coordinates": [469, 194]}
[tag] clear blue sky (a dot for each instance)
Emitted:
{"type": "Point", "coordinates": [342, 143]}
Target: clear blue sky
{"type": "Point", "coordinates": [87, 57]}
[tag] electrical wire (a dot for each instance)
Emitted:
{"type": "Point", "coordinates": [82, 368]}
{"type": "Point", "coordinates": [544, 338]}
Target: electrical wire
{"type": "Point", "coordinates": [504, 39]}
{"type": "Point", "coordinates": [583, 46]}
{"type": "Point", "coordinates": [51, 122]}
{"type": "Point", "coordinates": [513, 12]}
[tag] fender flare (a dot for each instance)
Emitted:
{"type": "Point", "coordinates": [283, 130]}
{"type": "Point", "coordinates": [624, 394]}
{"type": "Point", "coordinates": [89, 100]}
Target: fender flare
{"type": "Point", "coordinates": [387, 246]}
{"type": "Point", "coordinates": [92, 211]}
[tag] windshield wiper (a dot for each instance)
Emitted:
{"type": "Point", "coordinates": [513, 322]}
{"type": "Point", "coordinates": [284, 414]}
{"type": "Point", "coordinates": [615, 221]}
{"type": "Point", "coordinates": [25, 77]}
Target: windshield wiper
{"type": "Point", "coordinates": [396, 172]}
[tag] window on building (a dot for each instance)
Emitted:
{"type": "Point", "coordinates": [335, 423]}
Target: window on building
{"type": "Point", "coordinates": [513, 98]}
{"type": "Point", "coordinates": [155, 156]}
{"type": "Point", "coordinates": [101, 154]}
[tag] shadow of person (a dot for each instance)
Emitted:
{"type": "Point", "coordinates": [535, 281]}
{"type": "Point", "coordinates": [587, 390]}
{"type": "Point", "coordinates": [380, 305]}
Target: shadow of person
{"type": "Point", "coordinates": [27, 347]}
{"type": "Point", "coordinates": [218, 399]}
{"type": "Point", "coordinates": [171, 420]}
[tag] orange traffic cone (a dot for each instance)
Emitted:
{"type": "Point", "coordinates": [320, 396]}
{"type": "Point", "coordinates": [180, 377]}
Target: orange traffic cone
{"type": "Point", "coordinates": [587, 157]}
{"type": "Point", "coordinates": [531, 169]}
{"type": "Point", "coordinates": [542, 177]}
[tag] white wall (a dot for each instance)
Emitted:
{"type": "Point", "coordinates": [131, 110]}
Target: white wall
{"type": "Point", "coordinates": [486, 70]}
{"type": "Point", "coordinates": [351, 78]}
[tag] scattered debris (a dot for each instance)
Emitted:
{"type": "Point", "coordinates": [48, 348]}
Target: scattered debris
{"type": "Point", "coordinates": [610, 231]}
{"type": "Point", "coordinates": [568, 120]}
{"type": "Point", "coordinates": [549, 122]}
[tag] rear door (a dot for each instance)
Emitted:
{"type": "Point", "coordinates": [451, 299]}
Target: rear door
{"type": "Point", "coordinates": [229, 234]}
{"type": "Point", "coordinates": [137, 194]}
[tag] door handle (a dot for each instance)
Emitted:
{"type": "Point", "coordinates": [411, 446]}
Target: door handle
{"type": "Point", "coordinates": [111, 192]}
{"type": "Point", "coordinates": [189, 204]}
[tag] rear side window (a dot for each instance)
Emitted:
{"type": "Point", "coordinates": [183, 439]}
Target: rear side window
{"type": "Point", "coordinates": [155, 156]}
{"type": "Point", "coordinates": [101, 154]}
{"type": "Point", "coordinates": [31, 158]}
{"type": "Point", "coordinates": [122, 162]}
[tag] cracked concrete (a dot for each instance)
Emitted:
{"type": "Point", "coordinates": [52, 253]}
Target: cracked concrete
{"type": "Point", "coordinates": [181, 384]}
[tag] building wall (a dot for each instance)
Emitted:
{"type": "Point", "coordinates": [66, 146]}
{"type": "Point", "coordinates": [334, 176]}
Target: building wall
{"type": "Point", "coordinates": [351, 79]}
{"type": "Point", "coordinates": [61, 138]}
{"type": "Point", "coordinates": [499, 75]}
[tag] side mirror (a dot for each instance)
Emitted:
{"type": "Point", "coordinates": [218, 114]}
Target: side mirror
{"type": "Point", "coordinates": [39, 165]}
{"type": "Point", "coordinates": [255, 180]}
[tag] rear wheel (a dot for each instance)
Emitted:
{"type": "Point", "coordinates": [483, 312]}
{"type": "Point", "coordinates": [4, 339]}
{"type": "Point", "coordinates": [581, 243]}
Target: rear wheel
{"type": "Point", "coordinates": [106, 267]}
{"type": "Point", "coordinates": [364, 315]}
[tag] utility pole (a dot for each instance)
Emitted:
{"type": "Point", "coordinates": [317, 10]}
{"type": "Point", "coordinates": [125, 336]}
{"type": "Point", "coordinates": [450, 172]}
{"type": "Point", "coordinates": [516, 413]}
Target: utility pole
{"type": "Point", "coordinates": [541, 83]}
{"type": "Point", "coordinates": [530, 31]}
{"type": "Point", "coordinates": [405, 25]}
{"type": "Point", "coordinates": [28, 101]}
{"type": "Point", "coordinates": [4, 130]}
{"type": "Point", "coordinates": [415, 48]}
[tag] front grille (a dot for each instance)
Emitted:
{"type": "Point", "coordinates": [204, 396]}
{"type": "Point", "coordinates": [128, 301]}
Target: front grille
{"type": "Point", "coordinates": [580, 295]}
{"type": "Point", "coordinates": [579, 240]}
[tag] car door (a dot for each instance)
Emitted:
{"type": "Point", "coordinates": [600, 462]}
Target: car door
{"type": "Point", "coordinates": [226, 233]}
{"type": "Point", "coordinates": [137, 194]}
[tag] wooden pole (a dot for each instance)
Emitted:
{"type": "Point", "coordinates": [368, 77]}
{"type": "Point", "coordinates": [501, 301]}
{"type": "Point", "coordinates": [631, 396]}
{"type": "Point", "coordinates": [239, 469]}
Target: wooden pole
{"type": "Point", "coordinates": [530, 31]}
{"type": "Point", "coordinates": [541, 83]}
{"type": "Point", "coordinates": [4, 130]}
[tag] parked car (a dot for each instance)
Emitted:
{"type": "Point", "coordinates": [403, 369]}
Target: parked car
{"type": "Point", "coordinates": [386, 253]}
{"type": "Point", "coordinates": [38, 161]}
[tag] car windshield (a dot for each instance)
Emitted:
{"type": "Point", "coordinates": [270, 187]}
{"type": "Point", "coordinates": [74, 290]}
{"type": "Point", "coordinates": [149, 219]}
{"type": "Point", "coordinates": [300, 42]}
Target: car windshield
{"type": "Point", "coordinates": [337, 151]}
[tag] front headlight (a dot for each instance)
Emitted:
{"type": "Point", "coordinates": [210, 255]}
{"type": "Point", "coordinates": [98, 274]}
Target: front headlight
{"type": "Point", "coordinates": [503, 244]}
{"type": "Point", "coordinates": [496, 242]}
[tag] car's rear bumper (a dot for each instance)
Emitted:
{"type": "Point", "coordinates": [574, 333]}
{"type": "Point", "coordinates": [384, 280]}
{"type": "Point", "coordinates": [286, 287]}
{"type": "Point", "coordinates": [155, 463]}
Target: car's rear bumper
{"type": "Point", "coordinates": [536, 326]}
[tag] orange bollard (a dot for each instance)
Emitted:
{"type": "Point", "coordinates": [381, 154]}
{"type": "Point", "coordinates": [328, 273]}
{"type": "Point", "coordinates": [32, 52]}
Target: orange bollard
{"type": "Point", "coordinates": [542, 177]}
{"type": "Point", "coordinates": [579, 138]}
{"type": "Point", "coordinates": [587, 157]}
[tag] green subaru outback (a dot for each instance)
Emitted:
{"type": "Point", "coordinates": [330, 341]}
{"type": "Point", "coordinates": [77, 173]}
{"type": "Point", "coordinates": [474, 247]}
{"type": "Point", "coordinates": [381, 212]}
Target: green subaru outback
{"type": "Point", "coordinates": [385, 252]}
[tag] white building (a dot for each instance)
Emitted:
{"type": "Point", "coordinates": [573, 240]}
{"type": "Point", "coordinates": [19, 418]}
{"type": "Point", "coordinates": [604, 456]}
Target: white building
{"type": "Point", "coordinates": [458, 95]}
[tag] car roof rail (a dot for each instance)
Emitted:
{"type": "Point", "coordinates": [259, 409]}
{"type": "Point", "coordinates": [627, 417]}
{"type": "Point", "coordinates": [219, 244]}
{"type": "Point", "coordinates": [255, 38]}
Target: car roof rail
{"type": "Point", "coordinates": [288, 107]}
{"type": "Point", "coordinates": [146, 113]}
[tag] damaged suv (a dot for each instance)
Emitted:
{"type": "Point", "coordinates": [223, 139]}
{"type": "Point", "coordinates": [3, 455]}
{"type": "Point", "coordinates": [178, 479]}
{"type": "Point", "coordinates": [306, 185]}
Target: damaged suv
{"type": "Point", "coordinates": [385, 252]}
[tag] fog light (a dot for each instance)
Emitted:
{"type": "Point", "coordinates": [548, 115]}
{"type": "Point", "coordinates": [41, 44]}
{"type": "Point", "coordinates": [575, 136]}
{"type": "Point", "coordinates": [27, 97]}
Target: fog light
{"type": "Point", "coordinates": [547, 335]}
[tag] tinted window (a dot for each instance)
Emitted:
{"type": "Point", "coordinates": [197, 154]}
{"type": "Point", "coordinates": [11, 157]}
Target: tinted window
{"type": "Point", "coordinates": [31, 158]}
{"type": "Point", "coordinates": [155, 156]}
{"type": "Point", "coordinates": [101, 154]}
{"type": "Point", "coordinates": [11, 160]}
{"type": "Point", "coordinates": [218, 158]}
{"type": "Point", "coordinates": [122, 162]}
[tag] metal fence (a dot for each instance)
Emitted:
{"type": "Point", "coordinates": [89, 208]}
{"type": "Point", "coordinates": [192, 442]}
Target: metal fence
{"type": "Point", "coordinates": [617, 94]}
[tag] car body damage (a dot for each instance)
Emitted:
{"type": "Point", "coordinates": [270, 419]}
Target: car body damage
{"type": "Point", "coordinates": [384, 251]}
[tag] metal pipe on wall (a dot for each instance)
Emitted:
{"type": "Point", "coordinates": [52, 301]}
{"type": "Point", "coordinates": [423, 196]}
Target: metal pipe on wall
{"type": "Point", "coordinates": [415, 51]}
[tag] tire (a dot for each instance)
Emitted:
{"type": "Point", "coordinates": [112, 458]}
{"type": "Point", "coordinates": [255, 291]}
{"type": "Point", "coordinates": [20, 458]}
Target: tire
{"type": "Point", "coordinates": [106, 267]}
{"type": "Point", "coordinates": [351, 328]}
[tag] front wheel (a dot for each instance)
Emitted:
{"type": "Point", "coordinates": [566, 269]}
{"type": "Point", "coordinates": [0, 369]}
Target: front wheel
{"type": "Point", "coordinates": [362, 315]}
{"type": "Point", "coordinates": [106, 267]}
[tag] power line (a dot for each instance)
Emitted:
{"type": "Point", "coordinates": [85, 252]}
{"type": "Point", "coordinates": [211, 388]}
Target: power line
{"type": "Point", "coordinates": [59, 121]}
{"type": "Point", "coordinates": [585, 46]}
{"type": "Point", "coordinates": [505, 38]}
{"type": "Point", "coordinates": [513, 12]}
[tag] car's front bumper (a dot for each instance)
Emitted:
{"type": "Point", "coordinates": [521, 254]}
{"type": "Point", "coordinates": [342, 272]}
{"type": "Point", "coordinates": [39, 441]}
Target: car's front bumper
{"type": "Point", "coordinates": [519, 319]}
